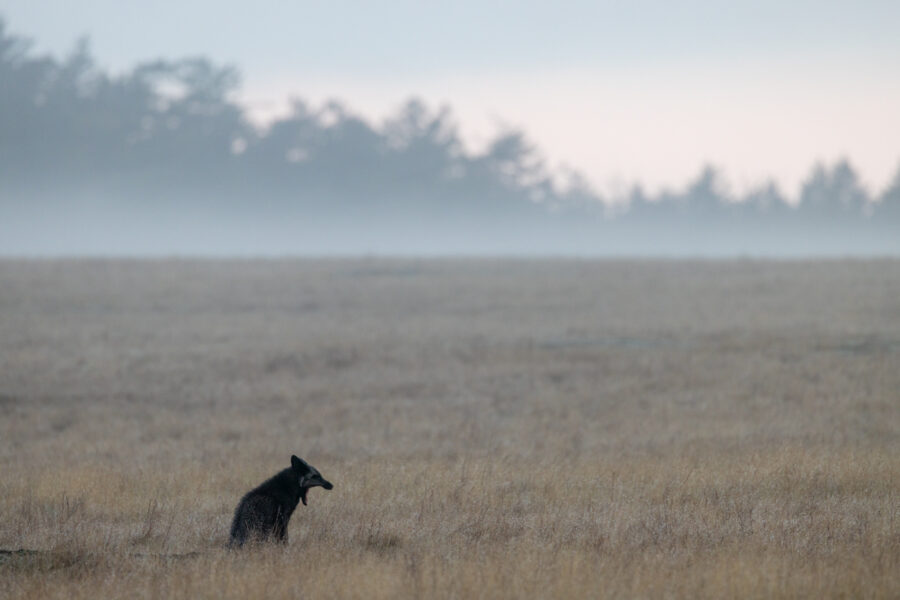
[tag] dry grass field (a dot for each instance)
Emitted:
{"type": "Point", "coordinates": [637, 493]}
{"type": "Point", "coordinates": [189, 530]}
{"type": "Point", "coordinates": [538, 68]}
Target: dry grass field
{"type": "Point", "coordinates": [494, 429]}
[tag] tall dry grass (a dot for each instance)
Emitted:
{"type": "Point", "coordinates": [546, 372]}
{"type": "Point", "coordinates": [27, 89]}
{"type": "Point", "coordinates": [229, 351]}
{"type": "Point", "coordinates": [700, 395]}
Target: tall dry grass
{"type": "Point", "coordinates": [493, 428]}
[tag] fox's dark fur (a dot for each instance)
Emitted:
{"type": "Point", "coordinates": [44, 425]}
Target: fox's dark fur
{"type": "Point", "coordinates": [263, 513]}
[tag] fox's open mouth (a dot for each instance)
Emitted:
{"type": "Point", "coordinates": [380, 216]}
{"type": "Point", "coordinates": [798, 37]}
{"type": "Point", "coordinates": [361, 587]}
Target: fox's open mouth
{"type": "Point", "coordinates": [303, 491]}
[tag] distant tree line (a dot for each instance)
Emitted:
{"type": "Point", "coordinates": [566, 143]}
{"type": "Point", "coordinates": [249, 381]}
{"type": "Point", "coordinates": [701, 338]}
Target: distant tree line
{"type": "Point", "coordinates": [173, 125]}
{"type": "Point", "coordinates": [170, 132]}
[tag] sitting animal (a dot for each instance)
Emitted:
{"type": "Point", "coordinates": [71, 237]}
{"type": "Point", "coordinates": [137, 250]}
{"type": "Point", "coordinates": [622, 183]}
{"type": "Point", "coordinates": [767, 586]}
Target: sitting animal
{"type": "Point", "coordinates": [263, 513]}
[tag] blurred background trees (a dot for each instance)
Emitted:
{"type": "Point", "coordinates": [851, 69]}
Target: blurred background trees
{"type": "Point", "coordinates": [170, 133]}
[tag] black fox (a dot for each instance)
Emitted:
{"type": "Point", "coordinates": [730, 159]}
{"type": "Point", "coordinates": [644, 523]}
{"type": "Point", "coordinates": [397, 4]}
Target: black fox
{"type": "Point", "coordinates": [264, 512]}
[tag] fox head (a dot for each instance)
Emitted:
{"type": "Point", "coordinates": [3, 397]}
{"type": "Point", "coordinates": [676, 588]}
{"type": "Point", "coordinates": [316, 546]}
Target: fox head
{"type": "Point", "coordinates": [307, 476]}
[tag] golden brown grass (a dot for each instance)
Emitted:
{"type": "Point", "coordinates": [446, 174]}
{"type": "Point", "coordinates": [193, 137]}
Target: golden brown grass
{"type": "Point", "coordinates": [493, 428]}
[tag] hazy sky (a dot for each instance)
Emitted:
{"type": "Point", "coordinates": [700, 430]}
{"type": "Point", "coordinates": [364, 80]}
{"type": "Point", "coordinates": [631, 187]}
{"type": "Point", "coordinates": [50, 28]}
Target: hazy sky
{"type": "Point", "coordinates": [625, 91]}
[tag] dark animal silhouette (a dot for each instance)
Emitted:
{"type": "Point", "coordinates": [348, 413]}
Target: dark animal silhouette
{"type": "Point", "coordinates": [263, 513]}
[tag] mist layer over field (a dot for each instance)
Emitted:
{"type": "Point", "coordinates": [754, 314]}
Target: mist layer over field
{"type": "Point", "coordinates": [493, 428]}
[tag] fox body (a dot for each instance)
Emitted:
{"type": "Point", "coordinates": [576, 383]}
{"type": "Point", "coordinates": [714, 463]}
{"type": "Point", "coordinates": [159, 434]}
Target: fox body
{"type": "Point", "coordinates": [263, 513]}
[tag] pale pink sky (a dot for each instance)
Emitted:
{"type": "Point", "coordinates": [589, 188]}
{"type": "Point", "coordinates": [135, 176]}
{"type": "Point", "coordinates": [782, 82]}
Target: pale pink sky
{"type": "Point", "coordinates": [645, 90]}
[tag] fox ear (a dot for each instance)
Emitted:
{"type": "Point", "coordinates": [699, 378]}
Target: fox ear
{"type": "Point", "coordinates": [299, 464]}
